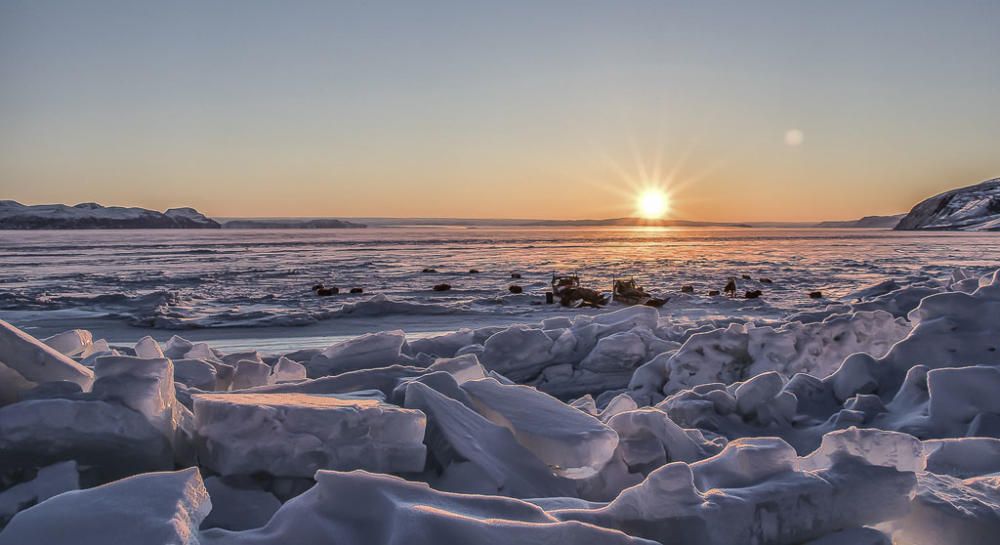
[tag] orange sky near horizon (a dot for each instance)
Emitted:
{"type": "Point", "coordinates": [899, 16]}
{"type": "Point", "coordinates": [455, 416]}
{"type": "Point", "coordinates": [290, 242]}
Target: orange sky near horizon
{"type": "Point", "coordinates": [783, 111]}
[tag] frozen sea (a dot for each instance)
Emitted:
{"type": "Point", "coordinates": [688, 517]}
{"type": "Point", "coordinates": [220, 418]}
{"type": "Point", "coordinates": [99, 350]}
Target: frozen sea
{"type": "Point", "coordinates": [252, 288]}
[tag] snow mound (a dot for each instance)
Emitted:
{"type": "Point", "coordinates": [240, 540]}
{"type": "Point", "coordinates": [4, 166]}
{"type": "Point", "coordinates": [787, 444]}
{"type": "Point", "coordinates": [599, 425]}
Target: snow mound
{"type": "Point", "coordinates": [949, 329]}
{"type": "Point", "coordinates": [742, 351]}
{"type": "Point", "coordinates": [752, 492]}
{"type": "Point", "coordinates": [360, 507]}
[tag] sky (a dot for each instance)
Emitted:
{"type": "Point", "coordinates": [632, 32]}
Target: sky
{"type": "Point", "coordinates": [742, 111]}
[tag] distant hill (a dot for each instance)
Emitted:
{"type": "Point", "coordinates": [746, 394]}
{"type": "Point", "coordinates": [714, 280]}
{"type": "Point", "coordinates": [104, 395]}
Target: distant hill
{"type": "Point", "coordinates": [867, 222]}
{"type": "Point", "coordinates": [972, 208]}
{"type": "Point", "coordinates": [290, 223]}
{"type": "Point", "coordinates": [14, 215]}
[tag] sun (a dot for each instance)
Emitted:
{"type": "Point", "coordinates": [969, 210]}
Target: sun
{"type": "Point", "coordinates": [652, 204]}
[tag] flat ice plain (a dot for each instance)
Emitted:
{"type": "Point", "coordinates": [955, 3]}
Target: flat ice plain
{"type": "Point", "coordinates": [185, 388]}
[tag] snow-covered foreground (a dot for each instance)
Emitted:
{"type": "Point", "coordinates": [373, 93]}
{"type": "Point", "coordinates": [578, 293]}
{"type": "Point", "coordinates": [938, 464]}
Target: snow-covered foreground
{"type": "Point", "coordinates": [868, 421]}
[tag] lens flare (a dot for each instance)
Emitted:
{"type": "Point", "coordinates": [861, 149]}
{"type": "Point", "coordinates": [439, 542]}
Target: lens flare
{"type": "Point", "coordinates": [652, 204]}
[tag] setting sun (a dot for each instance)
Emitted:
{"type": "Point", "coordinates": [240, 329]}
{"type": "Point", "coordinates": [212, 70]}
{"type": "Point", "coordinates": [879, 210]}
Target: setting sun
{"type": "Point", "coordinates": [653, 204]}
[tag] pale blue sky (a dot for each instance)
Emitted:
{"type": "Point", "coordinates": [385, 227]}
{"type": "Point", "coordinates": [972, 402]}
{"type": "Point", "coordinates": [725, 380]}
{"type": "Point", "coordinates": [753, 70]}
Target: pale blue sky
{"type": "Point", "coordinates": [498, 109]}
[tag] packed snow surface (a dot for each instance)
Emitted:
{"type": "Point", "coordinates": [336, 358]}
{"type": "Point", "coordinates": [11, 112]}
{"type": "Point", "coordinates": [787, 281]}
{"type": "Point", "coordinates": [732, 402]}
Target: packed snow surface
{"type": "Point", "coordinates": [871, 418]}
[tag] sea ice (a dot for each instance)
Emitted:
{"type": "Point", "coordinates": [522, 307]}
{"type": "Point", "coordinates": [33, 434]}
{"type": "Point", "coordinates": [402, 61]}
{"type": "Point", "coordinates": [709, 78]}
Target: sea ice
{"type": "Point", "coordinates": [37, 362]}
{"type": "Point", "coordinates": [477, 456]}
{"type": "Point", "coordinates": [151, 509]}
{"type": "Point", "coordinates": [574, 443]}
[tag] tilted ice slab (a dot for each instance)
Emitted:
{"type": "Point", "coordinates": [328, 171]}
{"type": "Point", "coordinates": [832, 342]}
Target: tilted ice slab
{"type": "Point", "coordinates": [37, 362]}
{"type": "Point", "coordinates": [574, 443]}
{"type": "Point", "coordinates": [648, 439]}
{"type": "Point", "coordinates": [476, 455]}
{"type": "Point", "coordinates": [518, 352]}
{"type": "Point", "coordinates": [360, 507]}
{"type": "Point", "coordinates": [70, 343]}
{"type": "Point", "coordinates": [383, 379]}
{"type": "Point", "coordinates": [151, 509]}
{"type": "Point", "coordinates": [293, 435]}
{"type": "Point", "coordinates": [365, 352]}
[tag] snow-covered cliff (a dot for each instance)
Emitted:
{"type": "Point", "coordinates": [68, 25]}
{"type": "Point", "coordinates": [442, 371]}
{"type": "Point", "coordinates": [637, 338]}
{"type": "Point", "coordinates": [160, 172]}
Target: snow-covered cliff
{"type": "Point", "coordinates": [973, 208]}
{"type": "Point", "coordinates": [14, 215]}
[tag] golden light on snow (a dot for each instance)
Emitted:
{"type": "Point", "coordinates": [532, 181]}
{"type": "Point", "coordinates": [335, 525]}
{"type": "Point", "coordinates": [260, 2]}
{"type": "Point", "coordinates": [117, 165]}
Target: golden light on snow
{"type": "Point", "coordinates": [652, 204]}
{"type": "Point", "coordinates": [794, 138]}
